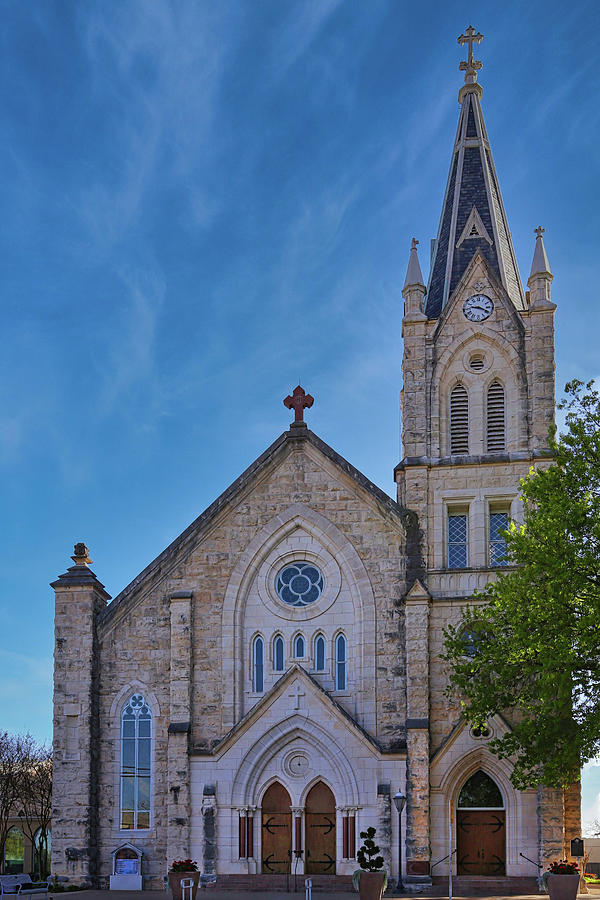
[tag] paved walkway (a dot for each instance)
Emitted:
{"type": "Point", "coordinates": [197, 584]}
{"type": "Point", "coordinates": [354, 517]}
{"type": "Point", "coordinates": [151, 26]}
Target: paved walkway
{"type": "Point", "coordinates": [214, 894]}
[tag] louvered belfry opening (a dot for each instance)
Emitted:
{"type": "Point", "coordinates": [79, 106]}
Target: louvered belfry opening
{"type": "Point", "coordinates": [459, 420]}
{"type": "Point", "coordinates": [496, 430]}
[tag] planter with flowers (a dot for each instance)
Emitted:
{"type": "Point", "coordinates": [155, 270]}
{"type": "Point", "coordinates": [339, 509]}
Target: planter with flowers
{"type": "Point", "coordinates": [183, 868]}
{"type": "Point", "coordinates": [561, 880]}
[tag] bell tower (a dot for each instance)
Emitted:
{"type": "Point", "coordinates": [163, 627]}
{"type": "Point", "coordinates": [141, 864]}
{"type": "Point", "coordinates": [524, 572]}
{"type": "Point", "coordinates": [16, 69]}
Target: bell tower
{"type": "Point", "coordinates": [476, 404]}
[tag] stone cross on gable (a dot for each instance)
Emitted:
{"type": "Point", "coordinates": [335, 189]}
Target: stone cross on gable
{"type": "Point", "coordinates": [539, 231]}
{"type": "Point", "coordinates": [470, 65]}
{"type": "Point", "coordinates": [296, 694]}
{"type": "Point", "coordinates": [299, 401]}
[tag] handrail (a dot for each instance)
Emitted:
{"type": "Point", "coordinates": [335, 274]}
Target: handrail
{"type": "Point", "coordinates": [442, 859]}
{"type": "Point", "coordinates": [531, 861]}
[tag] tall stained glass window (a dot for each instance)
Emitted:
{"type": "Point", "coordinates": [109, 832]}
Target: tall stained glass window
{"type": "Point", "coordinates": [340, 663]}
{"type": "Point", "coordinates": [136, 748]}
{"type": "Point", "coordinates": [320, 653]}
{"type": "Point", "coordinates": [278, 654]}
{"type": "Point", "coordinates": [258, 665]}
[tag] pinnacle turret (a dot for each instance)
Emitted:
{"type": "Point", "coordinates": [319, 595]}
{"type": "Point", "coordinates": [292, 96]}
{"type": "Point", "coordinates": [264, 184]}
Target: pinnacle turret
{"type": "Point", "coordinates": [541, 277]}
{"type": "Point", "coordinates": [473, 217]}
{"type": "Point", "coordinates": [540, 264]}
{"type": "Point", "coordinates": [414, 287]}
{"type": "Point", "coordinates": [414, 276]}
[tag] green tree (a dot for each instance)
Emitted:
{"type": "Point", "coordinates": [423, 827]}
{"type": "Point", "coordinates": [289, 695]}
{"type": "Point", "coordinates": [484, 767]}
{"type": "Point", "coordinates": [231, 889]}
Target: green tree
{"type": "Point", "coordinates": [530, 647]}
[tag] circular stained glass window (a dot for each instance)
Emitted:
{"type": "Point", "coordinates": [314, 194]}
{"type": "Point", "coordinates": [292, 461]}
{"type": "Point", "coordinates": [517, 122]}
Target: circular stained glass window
{"type": "Point", "coordinates": [299, 584]}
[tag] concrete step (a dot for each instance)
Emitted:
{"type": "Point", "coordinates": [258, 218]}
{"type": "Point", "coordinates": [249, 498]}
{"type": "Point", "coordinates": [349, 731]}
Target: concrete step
{"type": "Point", "coordinates": [488, 886]}
{"type": "Point", "coordinates": [325, 884]}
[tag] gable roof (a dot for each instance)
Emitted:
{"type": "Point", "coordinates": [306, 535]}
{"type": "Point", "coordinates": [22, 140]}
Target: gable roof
{"type": "Point", "coordinates": [258, 710]}
{"type": "Point", "coordinates": [298, 432]}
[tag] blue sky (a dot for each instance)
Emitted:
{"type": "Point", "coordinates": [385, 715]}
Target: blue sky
{"type": "Point", "coordinates": [204, 203]}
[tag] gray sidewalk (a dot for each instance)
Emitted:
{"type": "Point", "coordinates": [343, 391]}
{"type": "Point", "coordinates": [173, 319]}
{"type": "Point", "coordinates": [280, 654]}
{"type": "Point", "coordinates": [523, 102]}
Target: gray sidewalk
{"type": "Point", "coordinates": [215, 894]}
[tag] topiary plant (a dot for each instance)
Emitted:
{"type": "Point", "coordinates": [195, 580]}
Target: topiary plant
{"type": "Point", "coordinates": [369, 858]}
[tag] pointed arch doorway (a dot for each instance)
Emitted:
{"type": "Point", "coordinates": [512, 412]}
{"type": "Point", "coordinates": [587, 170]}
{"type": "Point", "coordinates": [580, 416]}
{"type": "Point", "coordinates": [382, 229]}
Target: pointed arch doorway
{"type": "Point", "coordinates": [480, 827]}
{"type": "Point", "coordinates": [320, 831]}
{"type": "Point", "coordinates": [276, 830]}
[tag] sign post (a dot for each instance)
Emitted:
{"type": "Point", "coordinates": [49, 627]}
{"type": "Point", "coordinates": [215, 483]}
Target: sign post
{"type": "Point", "coordinates": [578, 852]}
{"type": "Point", "coordinates": [450, 822]}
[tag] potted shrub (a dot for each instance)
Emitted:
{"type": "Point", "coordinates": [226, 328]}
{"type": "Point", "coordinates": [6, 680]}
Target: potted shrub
{"type": "Point", "coordinates": [561, 880]}
{"type": "Point", "coordinates": [371, 879]}
{"type": "Point", "coordinates": [183, 868]}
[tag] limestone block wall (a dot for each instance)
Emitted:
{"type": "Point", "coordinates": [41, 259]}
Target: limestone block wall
{"type": "Point", "coordinates": [135, 654]}
{"type": "Point", "coordinates": [163, 638]}
{"type": "Point", "coordinates": [80, 598]}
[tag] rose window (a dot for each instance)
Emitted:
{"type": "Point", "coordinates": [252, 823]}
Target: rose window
{"type": "Point", "coordinates": [299, 584]}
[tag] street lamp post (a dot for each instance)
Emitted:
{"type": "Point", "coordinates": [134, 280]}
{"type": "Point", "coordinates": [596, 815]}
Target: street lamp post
{"type": "Point", "coordinates": [399, 803]}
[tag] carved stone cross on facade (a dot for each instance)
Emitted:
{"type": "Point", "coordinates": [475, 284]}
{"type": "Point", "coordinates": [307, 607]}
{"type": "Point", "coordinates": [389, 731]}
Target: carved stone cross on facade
{"type": "Point", "coordinates": [299, 401]}
{"type": "Point", "coordinates": [470, 65]}
{"type": "Point", "coordinates": [296, 694]}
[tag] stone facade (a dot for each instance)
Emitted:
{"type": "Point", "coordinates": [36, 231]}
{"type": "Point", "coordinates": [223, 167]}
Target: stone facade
{"type": "Point", "coordinates": [182, 701]}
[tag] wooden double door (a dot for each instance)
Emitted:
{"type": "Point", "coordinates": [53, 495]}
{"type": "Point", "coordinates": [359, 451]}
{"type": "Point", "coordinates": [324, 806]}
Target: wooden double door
{"type": "Point", "coordinates": [481, 841]}
{"type": "Point", "coordinates": [319, 849]}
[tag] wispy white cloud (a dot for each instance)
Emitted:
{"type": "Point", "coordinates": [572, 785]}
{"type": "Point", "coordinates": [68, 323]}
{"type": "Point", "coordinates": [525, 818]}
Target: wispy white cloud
{"type": "Point", "coordinates": [132, 342]}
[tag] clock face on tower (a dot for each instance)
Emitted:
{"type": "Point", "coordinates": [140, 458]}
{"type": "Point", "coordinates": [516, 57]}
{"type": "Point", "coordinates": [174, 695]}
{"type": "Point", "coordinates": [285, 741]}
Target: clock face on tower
{"type": "Point", "coordinates": [477, 308]}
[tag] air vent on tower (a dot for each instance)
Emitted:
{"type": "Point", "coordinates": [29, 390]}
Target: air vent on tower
{"type": "Point", "coordinates": [477, 362]}
{"type": "Point", "coordinates": [459, 420]}
{"type": "Point", "coordinates": [496, 437]}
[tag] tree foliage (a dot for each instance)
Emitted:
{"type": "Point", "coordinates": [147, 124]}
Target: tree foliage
{"type": "Point", "coordinates": [530, 646]}
{"type": "Point", "coordinates": [25, 789]}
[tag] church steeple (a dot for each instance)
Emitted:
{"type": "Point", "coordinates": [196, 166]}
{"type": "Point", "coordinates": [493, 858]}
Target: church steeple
{"type": "Point", "coordinates": [473, 217]}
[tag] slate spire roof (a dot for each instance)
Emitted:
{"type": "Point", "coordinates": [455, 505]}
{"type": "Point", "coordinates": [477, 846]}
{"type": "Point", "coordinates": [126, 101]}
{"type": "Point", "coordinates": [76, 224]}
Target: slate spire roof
{"type": "Point", "coordinates": [473, 216]}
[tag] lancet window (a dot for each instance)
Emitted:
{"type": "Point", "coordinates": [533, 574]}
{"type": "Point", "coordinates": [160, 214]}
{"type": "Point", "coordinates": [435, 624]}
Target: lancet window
{"type": "Point", "coordinates": [341, 663]}
{"type": "Point", "coordinates": [258, 665]}
{"type": "Point", "coordinates": [136, 755]}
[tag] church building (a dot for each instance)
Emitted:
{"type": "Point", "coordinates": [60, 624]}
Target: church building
{"type": "Point", "coordinates": [265, 687]}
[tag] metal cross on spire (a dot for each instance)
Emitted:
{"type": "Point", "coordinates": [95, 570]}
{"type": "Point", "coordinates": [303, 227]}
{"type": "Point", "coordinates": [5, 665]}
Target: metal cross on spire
{"type": "Point", "coordinates": [470, 66]}
{"type": "Point", "coordinates": [299, 401]}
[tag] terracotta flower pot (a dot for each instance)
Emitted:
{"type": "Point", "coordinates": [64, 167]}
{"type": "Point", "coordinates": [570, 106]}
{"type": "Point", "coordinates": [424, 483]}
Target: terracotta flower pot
{"type": "Point", "coordinates": [562, 887]}
{"type": "Point", "coordinates": [371, 885]}
{"type": "Point", "coordinates": [175, 883]}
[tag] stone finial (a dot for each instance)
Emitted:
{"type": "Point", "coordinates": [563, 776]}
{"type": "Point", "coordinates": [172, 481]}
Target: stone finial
{"type": "Point", "coordinates": [470, 66]}
{"type": "Point", "coordinates": [540, 264]}
{"type": "Point", "coordinates": [81, 554]}
{"type": "Point", "coordinates": [414, 276]}
{"type": "Point", "coordinates": [299, 401]}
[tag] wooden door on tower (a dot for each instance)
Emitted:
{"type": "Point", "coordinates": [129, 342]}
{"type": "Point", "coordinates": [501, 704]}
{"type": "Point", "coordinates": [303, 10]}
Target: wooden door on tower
{"type": "Point", "coordinates": [319, 817]}
{"type": "Point", "coordinates": [276, 830]}
{"type": "Point", "coordinates": [481, 828]}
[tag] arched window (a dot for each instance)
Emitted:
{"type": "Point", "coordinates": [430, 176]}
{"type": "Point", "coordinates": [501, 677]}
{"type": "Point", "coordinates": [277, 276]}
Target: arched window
{"type": "Point", "coordinates": [258, 665]}
{"type": "Point", "coordinates": [136, 747]}
{"type": "Point", "coordinates": [299, 647]}
{"type": "Point", "coordinates": [496, 429]}
{"type": "Point", "coordinates": [340, 663]}
{"type": "Point", "coordinates": [42, 842]}
{"type": "Point", "coordinates": [320, 653]}
{"type": "Point", "coordinates": [459, 420]}
{"type": "Point", "coordinates": [480, 792]}
{"type": "Point", "coordinates": [14, 852]}
{"type": "Point", "coordinates": [278, 653]}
